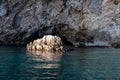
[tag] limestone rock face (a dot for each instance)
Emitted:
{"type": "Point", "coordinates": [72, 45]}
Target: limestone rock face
{"type": "Point", "coordinates": [105, 27]}
{"type": "Point", "coordinates": [79, 21]}
{"type": "Point", "coordinates": [47, 43]}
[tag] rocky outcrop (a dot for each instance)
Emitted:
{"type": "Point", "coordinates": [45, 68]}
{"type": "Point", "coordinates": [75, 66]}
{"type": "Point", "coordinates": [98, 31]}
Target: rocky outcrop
{"type": "Point", "coordinates": [79, 21]}
{"type": "Point", "coordinates": [47, 43]}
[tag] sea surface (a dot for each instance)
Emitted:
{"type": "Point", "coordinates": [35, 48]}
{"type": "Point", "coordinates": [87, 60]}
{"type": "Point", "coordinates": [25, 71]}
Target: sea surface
{"type": "Point", "coordinates": [82, 64]}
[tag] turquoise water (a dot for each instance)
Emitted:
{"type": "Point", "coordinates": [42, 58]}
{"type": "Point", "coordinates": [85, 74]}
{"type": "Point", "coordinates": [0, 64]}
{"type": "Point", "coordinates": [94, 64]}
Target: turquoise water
{"type": "Point", "coordinates": [81, 64]}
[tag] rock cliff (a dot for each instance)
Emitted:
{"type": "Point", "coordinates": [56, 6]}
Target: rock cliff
{"type": "Point", "coordinates": [75, 21]}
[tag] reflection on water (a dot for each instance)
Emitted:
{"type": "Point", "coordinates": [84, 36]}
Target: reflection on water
{"type": "Point", "coordinates": [47, 59]}
{"type": "Point", "coordinates": [17, 64]}
{"type": "Point", "coordinates": [49, 62]}
{"type": "Point", "coordinates": [45, 56]}
{"type": "Point", "coordinates": [82, 64]}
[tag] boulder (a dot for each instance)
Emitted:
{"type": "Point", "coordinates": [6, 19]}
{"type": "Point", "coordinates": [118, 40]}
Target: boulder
{"type": "Point", "coordinates": [47, 43]}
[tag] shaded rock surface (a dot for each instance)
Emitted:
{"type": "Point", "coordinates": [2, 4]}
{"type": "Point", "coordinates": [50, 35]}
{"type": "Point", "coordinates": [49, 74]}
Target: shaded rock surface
{"type": "Point", "coordinates": [79, 21]}
{"type": "Point", "coordinates": [47, 43]}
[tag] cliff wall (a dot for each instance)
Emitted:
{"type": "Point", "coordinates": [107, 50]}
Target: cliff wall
{"type": "Point", "coordinates": [78, 21]}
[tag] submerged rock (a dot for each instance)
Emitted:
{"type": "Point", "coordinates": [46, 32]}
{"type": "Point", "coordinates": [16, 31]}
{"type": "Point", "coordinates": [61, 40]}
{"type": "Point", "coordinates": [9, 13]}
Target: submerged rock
{"type": "Point", "coordinates": [47, 43]}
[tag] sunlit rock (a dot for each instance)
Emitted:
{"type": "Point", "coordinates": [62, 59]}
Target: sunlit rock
{"type": "Point", "coordinates": [47, 43]}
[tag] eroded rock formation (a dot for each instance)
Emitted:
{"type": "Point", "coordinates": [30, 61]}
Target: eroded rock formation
{"type": "Point", "coordinates": [79, 21]}
{"type": "Point", "coordinates": [47, 43]}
